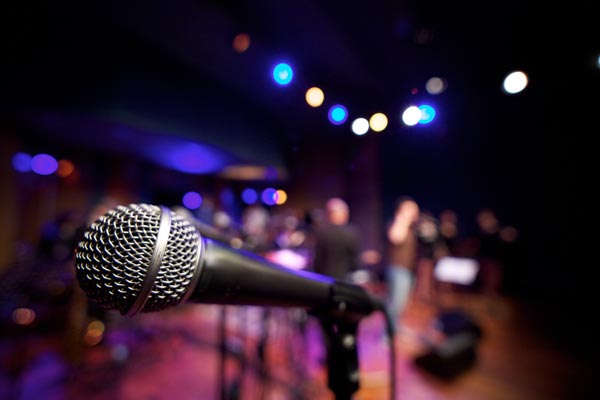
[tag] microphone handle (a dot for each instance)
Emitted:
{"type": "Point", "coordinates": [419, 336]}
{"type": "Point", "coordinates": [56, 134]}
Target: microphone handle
{"type": "Point", "coordinates": [238, 277]}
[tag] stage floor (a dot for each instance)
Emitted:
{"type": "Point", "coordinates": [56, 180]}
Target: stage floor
{"type": "Point", "coordinates": [214, 352]}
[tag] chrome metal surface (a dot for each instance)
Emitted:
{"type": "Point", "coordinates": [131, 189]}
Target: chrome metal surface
{"type": "Point", "coordinates": [121, 251]}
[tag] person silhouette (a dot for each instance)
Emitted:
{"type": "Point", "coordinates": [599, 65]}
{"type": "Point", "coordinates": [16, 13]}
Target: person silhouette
{"type": "Point", "coordinates": [337, 242]}
{"type": "Point", "coordinates": [402, 253]}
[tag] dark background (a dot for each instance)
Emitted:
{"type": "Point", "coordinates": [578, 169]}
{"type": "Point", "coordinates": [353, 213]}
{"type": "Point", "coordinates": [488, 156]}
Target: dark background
{"type": "Point", "coordinates": [94, 80]}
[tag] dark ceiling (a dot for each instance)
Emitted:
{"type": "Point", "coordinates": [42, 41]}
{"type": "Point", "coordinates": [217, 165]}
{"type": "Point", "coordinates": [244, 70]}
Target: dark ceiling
{"type": "Point", "coordinates": [168, 68]}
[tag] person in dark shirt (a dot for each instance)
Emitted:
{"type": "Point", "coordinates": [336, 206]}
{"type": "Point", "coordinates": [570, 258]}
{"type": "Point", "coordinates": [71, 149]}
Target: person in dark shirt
{"type": "Point", "coordinates": [490, 251]}
{"type": "Point", "coordinates": [336, 254]}
{"type": "Point", "coordinates": [337, 242]}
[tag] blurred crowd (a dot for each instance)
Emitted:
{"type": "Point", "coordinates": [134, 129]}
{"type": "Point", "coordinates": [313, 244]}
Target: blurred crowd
{"type": "Point", "coordinates": [43, 272]}
{"type": "Point", "coordinates": [39, 294]}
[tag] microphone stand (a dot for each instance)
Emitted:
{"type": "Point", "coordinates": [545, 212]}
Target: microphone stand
{"type": "Point", "coordinates": [339, 321]}
{"type": "Point", "coordinates": [342, 356]}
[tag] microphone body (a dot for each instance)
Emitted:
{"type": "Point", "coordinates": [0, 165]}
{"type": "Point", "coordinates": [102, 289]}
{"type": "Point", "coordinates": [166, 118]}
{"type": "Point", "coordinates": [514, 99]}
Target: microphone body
{"type": "Point", "coordinates": [144, 258]}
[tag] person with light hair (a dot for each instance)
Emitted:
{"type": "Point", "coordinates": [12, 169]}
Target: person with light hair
{"type": "Point", "coordinates": [403, 246]}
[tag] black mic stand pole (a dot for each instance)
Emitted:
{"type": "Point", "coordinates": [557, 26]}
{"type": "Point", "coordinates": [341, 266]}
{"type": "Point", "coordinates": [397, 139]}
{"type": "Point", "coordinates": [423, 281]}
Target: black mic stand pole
{"type": "Point", "coordinates": [342, 356]}
{"type": "Point", "coordinates": [339, 321]}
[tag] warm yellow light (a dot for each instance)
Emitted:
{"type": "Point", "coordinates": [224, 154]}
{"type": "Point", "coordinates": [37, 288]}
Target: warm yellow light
{"type": "Point", "coordinates": [281, 197]}
{"type": "Point", "coordinates": [314, 97]}
{"type": "Point", "coordinates": [96, 325]}
{"type": "Point", "coordinates": [245, 172]}
{"type": "Point", "coordinates": [378, 122]}
{"type": "Point", "coordinates": [94, 333]}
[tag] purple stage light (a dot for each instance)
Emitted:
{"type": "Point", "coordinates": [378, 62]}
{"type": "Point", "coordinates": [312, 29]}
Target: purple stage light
{"type": "Point", "coordinates": [44, 164]}
{"type": "Point", "coordinates": [21, 162]}
{"type": "Point", "coordinates": [192, 200]}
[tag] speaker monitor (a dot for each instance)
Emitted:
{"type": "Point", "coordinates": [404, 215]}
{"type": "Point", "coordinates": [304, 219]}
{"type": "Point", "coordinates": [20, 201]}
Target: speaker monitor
{"type": "Point", "coordinates": [453, 356]}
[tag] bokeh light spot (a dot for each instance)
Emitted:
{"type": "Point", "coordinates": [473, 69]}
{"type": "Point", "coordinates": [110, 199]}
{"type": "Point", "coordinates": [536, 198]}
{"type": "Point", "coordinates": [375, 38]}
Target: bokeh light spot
{"type": "Point", "coordinates": [269, 196]}
{"type": "Point", "coordinates": [338, 114]}
{"type": "Point", "coordinates": [314, 97]}
{"type": "Point", "coordinates": [360, 126]}
{"type": "Point", "coordinates": [411, 116]}
{"type": "Point", "coordinates": [241, 42]}
{"type": "Point", "coordinates": [23, 316]}
{"type": "Point", "coordinates": [515, 82]}
{"type": "Point", "coordinates": [280, 197]}
{"type": "Point", "coordinates": [65, 168]}
{"type": "Point", "coordinates": [44, 164]}
{"type": "Point", "coordinates": [249, 196]}
{"type": "Point", "coordinates": [427, 114]}
{"type": "Point", "coordinates": [283, 74]}
{"type": "Point", "coordinates": [21, 162]}
{"type": "Point", "coordinates": [435, 85]}
{"type": "Point", "coordinates": [378, 122]}
{"type": "Point", "coordinates": [192, 200]}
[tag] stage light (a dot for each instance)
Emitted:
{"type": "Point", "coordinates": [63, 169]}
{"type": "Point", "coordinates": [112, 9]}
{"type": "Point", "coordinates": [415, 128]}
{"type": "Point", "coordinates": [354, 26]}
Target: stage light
{"type": "Point", "coordinates": [360, 126]}
{"type": "Point", "coordinates": [44, 164]}
{"type": "Point", "coordinates": [283, 74]}
{"type": "Point", "coordinates": [427, 114]}
{"type": "Point", "coordinates": [338, 114]}
{"type": "Point", "coordinates": [269, 196]}
{"type": "Point", "coordinates": [192, 200]}
{"type": "Point", "coordinates": [411, 116]}
{"type": "Point", "coordinates": [249, 196]}
{"type": "Point", "coordinates": [23, 316]}
{"type": "Point", "coordinates": [241, 42]}
{"type": "Point", "coordinates": [280, 197]}
{"type": "Point", "coordinates": [186, 156]}
{"type": "Point", "coordinates": [314, 97]}
{"type": "Point", "coordinates": [65, 168]}
{"type": "Point", "coordinates": [247, 172]}
{"type": "Point", "coordinates": [515, 82]}
{"type": "Point", "coordinates": [378, 122]}
{"type": "Point", "coordinates": [94, 333]}
{"type": "Point", "coordinates": [435, 85]}
{"type": "Point", "coordinates": [21, 162]}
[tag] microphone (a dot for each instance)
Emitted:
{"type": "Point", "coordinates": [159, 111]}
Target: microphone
{"type": "Point", "coordinates": [146, 258]}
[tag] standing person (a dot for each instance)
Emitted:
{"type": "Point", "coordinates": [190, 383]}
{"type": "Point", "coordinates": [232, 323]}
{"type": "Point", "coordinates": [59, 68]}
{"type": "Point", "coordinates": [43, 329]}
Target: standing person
{"type": "Point", "coordinates": [430, 244]}
{"type": "Point", "coordinates": [449, 231]}
{"type": "Point", "coordinates": [337, 242]}
{"type": "Point", "coordinates": [336, 254]}
{"type": "Point", "coordinates": [490, 252]}
{"type": "Point", "coordinates": [402, 255]}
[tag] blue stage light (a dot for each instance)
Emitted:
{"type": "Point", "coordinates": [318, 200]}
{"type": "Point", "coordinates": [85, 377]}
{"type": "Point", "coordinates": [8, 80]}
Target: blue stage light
{"type": "Point", "coordinates": [21, 162]}
{"type": "Point", "coordinates": [283, 74]}
{"type": "Point", "coordinates": [427, 114]}
{"type": "Point", "coordinates": [338, 114]}
{"type": "Point", "coordinates": [192, 200]}
{"type": "Point", "coordinates": [249, 196]}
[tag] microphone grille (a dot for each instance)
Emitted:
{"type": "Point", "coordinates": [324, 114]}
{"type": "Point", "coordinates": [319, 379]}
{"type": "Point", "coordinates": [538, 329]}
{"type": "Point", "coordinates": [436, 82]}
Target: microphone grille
{"type": "Point", "coordinates": [114, 259]}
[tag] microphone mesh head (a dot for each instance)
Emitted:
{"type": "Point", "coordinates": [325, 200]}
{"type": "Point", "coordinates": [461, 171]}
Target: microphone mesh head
{"type": "Point", "coordinates": [113, 259]}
